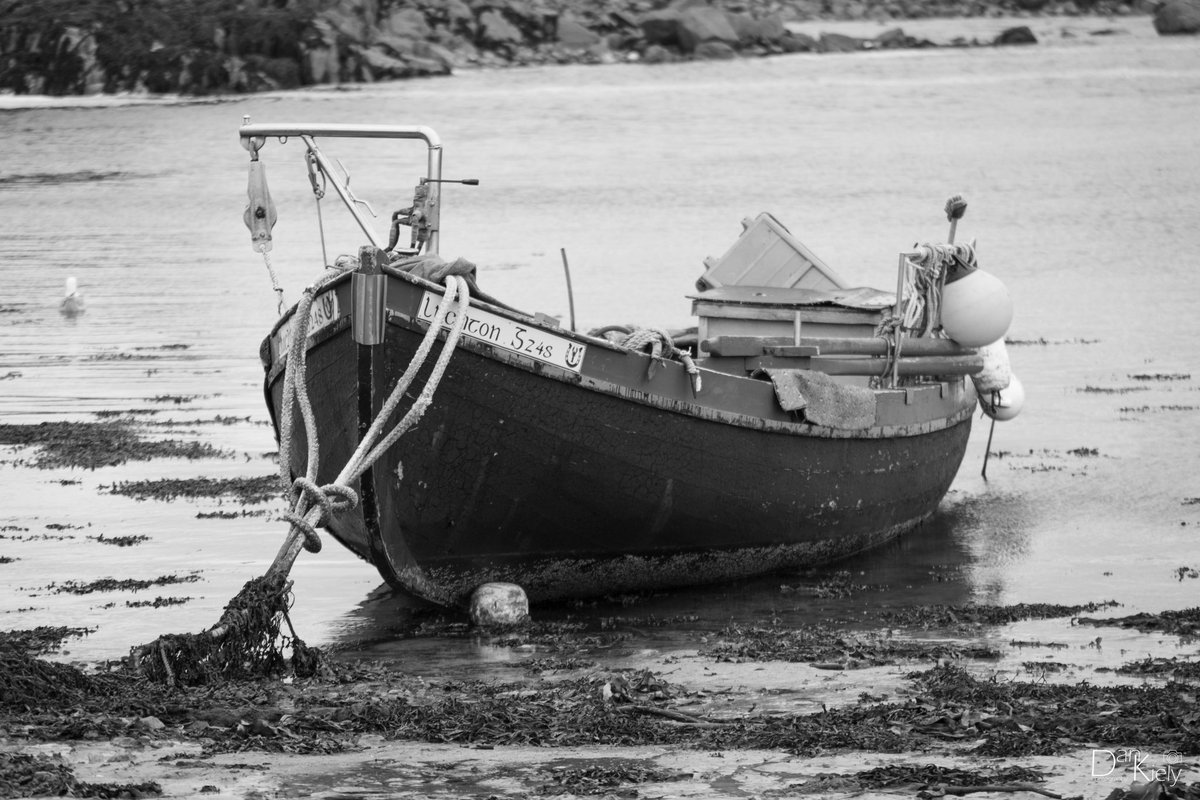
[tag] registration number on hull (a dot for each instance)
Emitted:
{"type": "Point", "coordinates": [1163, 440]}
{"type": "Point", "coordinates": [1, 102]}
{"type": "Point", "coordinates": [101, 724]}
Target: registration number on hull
{"type": "Point", "coordinates": [506, 334]}
{"type": "Point", "coordinates": [323, 312]}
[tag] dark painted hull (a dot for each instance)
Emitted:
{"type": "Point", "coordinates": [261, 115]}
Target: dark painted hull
{"type": "Point", "coordinates": [599, 479]}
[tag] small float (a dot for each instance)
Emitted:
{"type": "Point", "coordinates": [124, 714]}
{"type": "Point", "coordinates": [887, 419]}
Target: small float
{"type": "Point", "coordinates": [452, 440]}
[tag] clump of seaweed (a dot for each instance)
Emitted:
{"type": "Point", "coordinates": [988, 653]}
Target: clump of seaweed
{"type": "Point", "coordinates": [258, 489]}
{"type": "Point", "coordinates": [828, 648]}
{"type": "Point", "coordinates": [38, 775]}
{"type": "Point", "coordinates": [121, 541]}
{"type": "Point", "coordinates": [246, 643]}
{"type": "Point", "coordinates": [30, 683]}
{"type": "Point", "coordinates": [92, 445]}
{"type": "Point", "coordinates": [941, 616]}
{"type": "Point", "coordinates": [1180, 623]}
{"type": "Point", "coordinates": [1179, 669]}
{"type": "Point", "coordinates": [120, 584]}
{"type": "Point", "coordinates": [926, 777]}
{"type": "Point", "coordinates": [1161, 376]}
{"type": "Point", "coordinates": [1113, 389]}
{"type": "Point", "coordinates": [158, 602]}
{"type": "Point", "coordinates": [603, 779]}
{"type": "Point", "coordinates": [43, 639]}
{"type": "Point", "coordinates": [838, 585]}
{"type": "Point", "coordinates": [1015, 718]}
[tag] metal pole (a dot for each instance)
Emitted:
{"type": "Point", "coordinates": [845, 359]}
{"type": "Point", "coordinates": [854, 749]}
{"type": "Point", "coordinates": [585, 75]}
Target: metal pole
{"type": "Point", "coordinates": [327, 168]}
{"type": "Point", "coordinates": [901, 272]}
{"type": "Point", "coordinates": [435, 199]}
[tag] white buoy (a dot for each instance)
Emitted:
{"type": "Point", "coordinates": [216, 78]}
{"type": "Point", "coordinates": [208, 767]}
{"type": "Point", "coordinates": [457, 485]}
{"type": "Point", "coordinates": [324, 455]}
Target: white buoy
{"type": "Point", "coordinates": [499, 604]}
{"type": "Point", "coordinates": [1004, 404]}
{"type": "Point", "coordinates": [72, 302]}
{"type": "Point", "coordinates": [976, 309]}
{"type": "Point", "coordinates": [996, 373]}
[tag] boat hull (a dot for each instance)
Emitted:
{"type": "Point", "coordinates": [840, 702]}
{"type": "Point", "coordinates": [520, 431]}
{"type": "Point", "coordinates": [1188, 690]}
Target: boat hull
{"type": "Point", "coordinates": [609, 475]}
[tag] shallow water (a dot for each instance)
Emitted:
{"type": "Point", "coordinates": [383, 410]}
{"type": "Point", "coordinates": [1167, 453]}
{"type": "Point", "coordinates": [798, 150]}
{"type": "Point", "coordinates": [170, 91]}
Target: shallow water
{"type": "Point", "coordinates": [1075, 157]}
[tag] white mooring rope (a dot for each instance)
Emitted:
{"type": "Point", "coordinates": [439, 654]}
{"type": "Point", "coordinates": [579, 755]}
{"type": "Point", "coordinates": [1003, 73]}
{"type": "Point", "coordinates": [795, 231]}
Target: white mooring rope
{"type": "Point", "coordinates": [314, 505]}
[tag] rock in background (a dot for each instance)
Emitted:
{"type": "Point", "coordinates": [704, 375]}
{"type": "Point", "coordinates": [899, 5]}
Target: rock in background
{"type": "Point", "coordinates": [1178, 16]}
{"type": "Point", "coordinates": [199, 47]}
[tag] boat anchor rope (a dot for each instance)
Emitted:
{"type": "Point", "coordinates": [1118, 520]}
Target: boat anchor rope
{"type": "Point", "coordinates": [312, 504]}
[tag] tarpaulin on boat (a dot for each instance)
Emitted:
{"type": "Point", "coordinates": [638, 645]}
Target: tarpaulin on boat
{"type": "Point", "coordinates": [823, 400]}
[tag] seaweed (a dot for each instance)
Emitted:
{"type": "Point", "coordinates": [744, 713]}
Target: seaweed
{"type": "Point", "coordinates": [40, 640]}
{"type": "Point", "coordinates": [246, 643]}
{"type": "Point", "coordinates": [1177, 668]}
{"type": "Point", "coordinates": [1180, 623]}
{"type": "Point", "coordinates": [1015, 718]}
{"type": "Point", "coordinates": [259, 489]}
{"type": "Point", "coordinates": [601, 780]}
{"type": "Point", "coordinates": [828, 648]}
{"type": "Point", "coordinates": [120, 541]}
{"type": "Point", "coordinates": [158, 602]}
{"type": "Point", "coordinates": [37, 775]}
{"type": "Point", "coordinates": [120, 584]}
{"type": "Point", "coordinates": [91, 445]}
{"type": "Point", "coordinates": [940, 616]}
{"type": "Point", "coordinates": [924, 776]}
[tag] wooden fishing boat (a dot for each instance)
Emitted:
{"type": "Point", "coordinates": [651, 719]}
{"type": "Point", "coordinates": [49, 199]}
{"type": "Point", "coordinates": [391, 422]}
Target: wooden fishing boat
{"type": "Point", "coordinates": [800, 422]}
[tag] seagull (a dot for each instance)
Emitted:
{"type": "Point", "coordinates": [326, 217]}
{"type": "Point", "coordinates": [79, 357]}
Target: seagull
{"type": "Point", "coordinates": [72, 302]}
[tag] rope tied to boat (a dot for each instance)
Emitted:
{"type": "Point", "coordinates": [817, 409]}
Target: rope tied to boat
{"type": "Point", "coordinates": [888, 329]}
{"type": "Point", "coordinates": [923, 284]}
{"type": "Point", "coordinates": [330, 498]}
{"type": "Point", "coordinates": [247, 639]}
{"type": "Point", "coordinates": [313, 505]}
{"type": "Point", "coordinates": [659, 341]}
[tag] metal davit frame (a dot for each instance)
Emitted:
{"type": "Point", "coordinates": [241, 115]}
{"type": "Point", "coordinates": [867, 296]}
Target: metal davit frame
{"type": "Point", "coordinates": [254, 136]}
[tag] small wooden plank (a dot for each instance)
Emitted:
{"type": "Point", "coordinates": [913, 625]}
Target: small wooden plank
{"type": "Point", "coordinates": [740, 345]}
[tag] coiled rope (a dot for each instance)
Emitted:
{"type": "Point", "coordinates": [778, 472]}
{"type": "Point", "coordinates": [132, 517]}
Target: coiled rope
{"type": "Point", "coordinates": [922, 297]}
{"type": "Point", "coordinates": [658, 341]}
{"type": "Point", "coordinates": [313, 505]}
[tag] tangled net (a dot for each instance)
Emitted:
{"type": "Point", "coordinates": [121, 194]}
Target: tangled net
{"type": "Point", "coordinates": [246, 643]}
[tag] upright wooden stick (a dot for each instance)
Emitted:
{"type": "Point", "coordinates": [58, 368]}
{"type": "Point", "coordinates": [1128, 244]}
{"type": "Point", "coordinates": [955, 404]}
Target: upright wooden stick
{"type": "Point", "coordinates": [570, 293]}
{"type": "Point", "coordinates": [988, 452]}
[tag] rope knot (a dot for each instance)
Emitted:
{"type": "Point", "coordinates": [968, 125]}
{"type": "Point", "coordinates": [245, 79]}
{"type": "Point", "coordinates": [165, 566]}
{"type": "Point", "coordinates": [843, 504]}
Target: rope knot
{"type": "Point", "coordinates": [330, 498]}
{"type": "Point", "coordinates": [658, 340]}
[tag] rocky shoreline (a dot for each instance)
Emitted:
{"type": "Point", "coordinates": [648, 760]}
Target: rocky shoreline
{"type": "Point", "coordinates": [202, 47]}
